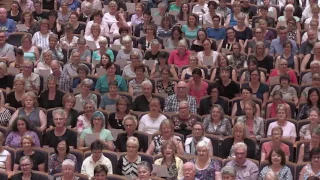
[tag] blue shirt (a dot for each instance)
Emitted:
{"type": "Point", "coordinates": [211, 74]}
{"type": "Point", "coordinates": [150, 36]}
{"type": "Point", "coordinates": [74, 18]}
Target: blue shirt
{"type": "Point", "coordinates": [103, 85]}
{"type": "Point", "coordinates": [217, 34]}
{"type": "Point", "coordinates": [9, 26]}
{"type": "Point", "coordinates": [277, 47]}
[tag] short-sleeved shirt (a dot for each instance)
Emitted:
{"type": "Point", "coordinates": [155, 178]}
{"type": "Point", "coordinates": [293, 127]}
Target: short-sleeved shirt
{"type": "Point", "coordinates": [51, 139]}
{"type": "Point", "coordinates": [102, 84]}
{"type": "Point", "coordinates": [289, 129]}
{"type": "Point", "coordinates": [191, 34]}
{"type": "Point", "coordinates": [267, 147]}
{"type": "Point", "coordinates": [288, 94]}
{"type": "Point", "coordinates": [104, 135]}
{"type": "Point", "coordinates": [230, 90]}
{"type": "Point", "coordinates": [37, 158]}
{"type": "Point", "coordinates": [263, 88]}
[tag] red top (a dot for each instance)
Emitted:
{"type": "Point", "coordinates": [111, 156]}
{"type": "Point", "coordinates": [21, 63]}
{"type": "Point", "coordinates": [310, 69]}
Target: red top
{"type": "Point", "coordinates": [267, 147]}
{"type": "Point", "coordinates": [178, 60]}
{"type": "Point", "coordinates": [291, 73]}
{"type": "Point", "coordinates": [198, 92]}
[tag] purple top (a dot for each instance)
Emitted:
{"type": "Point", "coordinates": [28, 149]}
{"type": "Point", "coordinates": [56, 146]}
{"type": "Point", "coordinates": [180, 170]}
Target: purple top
{"type": "Point", "coordinates": [14, 139]}
{"type": "Point", "coordinates": [209, 172]}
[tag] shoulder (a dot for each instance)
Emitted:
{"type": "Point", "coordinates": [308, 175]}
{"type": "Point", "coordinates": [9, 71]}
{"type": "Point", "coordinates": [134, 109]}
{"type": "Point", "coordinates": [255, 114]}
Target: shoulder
{"type": "Point", "coordinates": [159, 161]}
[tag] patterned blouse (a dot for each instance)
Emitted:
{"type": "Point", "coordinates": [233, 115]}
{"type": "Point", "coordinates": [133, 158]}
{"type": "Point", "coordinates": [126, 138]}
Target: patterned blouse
{"type": "Point", "coordinates": [14, 139]}
{"type": "Point", "coordinates": [309, 172]}
{"type": "Point", "coordinates": [304, 112]}
{"type": "Point", "coordinates": [91, 96]}
{"type": "Point", "coordinates": [284, 173]}
{"type": "Point", "coordinates": [55, 165]}
{"type": "Point", "coordinates": [183, 126]}
{"type": "Point", "coordinates": [129, 169]}
{"type": "Point", "coordinates": [5, 116]}
{"type": "Point", "coordinates": [237, 62]}
{"type": "Point", "coordinates": [223, 128]}
{"type": "Point", "coordinates": [209, 172]}
{"type": "Point", "coordinates": [169, 89]}
{"type": "Point", "coordinates": [305, 132]}
{"type": "Point", "coordinates": [158, 143]}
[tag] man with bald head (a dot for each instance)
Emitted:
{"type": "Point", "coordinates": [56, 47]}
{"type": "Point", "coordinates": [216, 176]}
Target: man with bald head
{"type": "Point", "coordinates": [6, 25]}
{"type": "Point", "coordinates": [189, 171]}
{"type": "Point", "coordinates": [63, 80]}
{"type": "Point", "coordinates": [172, 102]}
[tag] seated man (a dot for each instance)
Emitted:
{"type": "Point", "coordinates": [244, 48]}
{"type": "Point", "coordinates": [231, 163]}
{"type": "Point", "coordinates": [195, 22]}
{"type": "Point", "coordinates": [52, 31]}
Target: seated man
{"type": "Point", "coordinates": [63, 80]}
{"type": "Point", "coordinates": [276, 48]}
{"type": "Point", "coordinates": [189, 171]}
{"type": "Point", "coordinates": [94, 159]}
{"type": "Point", "coordinates": [154, 52]}
{"type": "Point", "coordinates": [245, 168]}
{"type": "Point", "coordinates": [315, 69]}
{"type": "Point", "coordinates": [231, 88]}
{"type": "Point", "coordinates": [60, 131]}
{"type": "Point", "coordinates": [307, 46]}
{"type": "Point", "coordinates": [32, 80]}
{"type": "Point", "coordinates": [6, 50]}
{"type": "Point", "coordinates": [7, 25]}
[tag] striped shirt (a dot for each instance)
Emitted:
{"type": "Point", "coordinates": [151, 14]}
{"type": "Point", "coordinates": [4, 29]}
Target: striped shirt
{"type": "Point", "coordinates": [3, 158]}
{"type": "Point", "coordinates": [41, 40]}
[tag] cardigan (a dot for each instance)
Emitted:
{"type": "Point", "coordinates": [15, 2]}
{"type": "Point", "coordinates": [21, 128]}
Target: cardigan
{"type": "Point", "coordinates": [227, 145]}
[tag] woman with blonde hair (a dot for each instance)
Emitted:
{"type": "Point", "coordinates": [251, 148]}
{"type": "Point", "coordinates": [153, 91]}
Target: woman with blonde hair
{"type": "Point", "coordinates": [216, 123]}
{"type": "Point", "coordinates": [52, 97]}
{"type": "Point", "coordinates": [239, 134]}
{"type": "Point", "coordinates": [31, 52]}
{"type": "Point", "coordinates": [95, 35]}
{"type": "Point", "coordinates": [14, 98]}
{"type": "Point", "coordinates": [193, 64]}
{"type": "Point", "coordinates": [30, 109]}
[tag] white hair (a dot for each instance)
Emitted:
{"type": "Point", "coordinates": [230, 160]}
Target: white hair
{"type": "Point", "coordinates": [240, 145]}
{"type": "Point", "coordinates": [289, 6]}
{"type": "Point", "coordinates": [202, 144]}
{"type": "Point", "coordinates": [59, 111]}
{"type": "Point", "coordinates": [146, 82]}
{"type": "Point", "coordinates": [69, 162]}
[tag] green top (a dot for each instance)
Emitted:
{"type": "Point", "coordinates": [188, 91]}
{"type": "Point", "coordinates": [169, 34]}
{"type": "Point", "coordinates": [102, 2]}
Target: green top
{"type": "Point", "coordinates": [174, 7]}
{"type": "Point", "coordinates": [104, 134]}
{"type": "Point", "coordinates": [97, 57]}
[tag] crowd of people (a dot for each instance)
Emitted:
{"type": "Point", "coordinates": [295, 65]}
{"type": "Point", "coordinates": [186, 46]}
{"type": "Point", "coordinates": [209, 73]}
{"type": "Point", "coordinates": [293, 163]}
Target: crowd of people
{"type": "Point", "coordinates": [197, 89]}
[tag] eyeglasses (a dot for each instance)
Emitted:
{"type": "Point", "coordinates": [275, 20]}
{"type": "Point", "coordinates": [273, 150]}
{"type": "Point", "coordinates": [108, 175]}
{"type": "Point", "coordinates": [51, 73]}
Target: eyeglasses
{"type": "Point", "coordinates": [25, 165]}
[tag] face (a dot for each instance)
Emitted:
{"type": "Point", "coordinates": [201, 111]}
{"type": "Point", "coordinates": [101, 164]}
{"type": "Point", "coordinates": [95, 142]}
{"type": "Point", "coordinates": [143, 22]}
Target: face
{"type": "Point", "coordinates": [97, 19]}
{"type": "Point", "coordinates": [264, 12]}
{"type": "Point", "coordinates": [216, 114]}
{"type": "Point", "coordinates": [192, 20]}
{"type": "Point", "coordinates": [227, 177]}
{"type": "Point", "coordinates": [287, 48]}
{"type": "Point", "coordinates": [236, 49]}
{"type": "Point", "coordinates": [288, 12]}
{"type": "Point", "coordinates": [113, 89]}
{"type": "Point", "coordinates": [155, 48]}
{"type": "Point", "coordinates": [85, 88]}
{"type": "Point", "coordinates": [166, 130]}
{"type": "Point", "coordinates": [316, 49]}
{"type": "Point", "coordinates": [184, 109]}
{"type": "Point", "coordinates": [314, 98]}
{"type": "Point", "coordinates": [52, 85]}
{"type": "Point", "coordinates": [59, 120]}
{"type": "Point", "coordinates": [254, 76]}
{"type": "Point", "coordinates": [154, 106]}
{"type": "Point", "coordinates": [95, 31]}
{"type": "Point", "coordinates": [3, 14]}
{"type": "Point", "coordinates": [181, 89]}
{"type": "Point", "coordinates": [143, 173]}
{"type": "Point", "coordinates": [240, 154]}
{"type": "Point", "coordinates": [73, 18]}
{"type": "Point", "coordinates": [88, 108]}
{"type": "Point", "coordinates": [314, 25]}
{"type": "Point", "coordinates": [188, 172]}
{"type": "Point", "coordinates": [68, 170]}
{"type": "Point", "coordinates": [222, 61]}
{"type": "Point", "coordinates": [62, 147]}
{"type": "Point", "coordinates": [282, 114]}
{"type": "Point", "coordinates": [25, 165]}
{"type": "Point", "coordinates": [193, 61]}
{"type": "Point", "coordinates": [27, 68]}
{"type": "Point", "coordinates": [197, 130]}
{"type": "Point", "coordinates": [315, 139]}
{"type": "Point", "coordinates": [82, 74]}
{"type": "Point", "coordinates": [97, 122]}
{"type": "Point", "coordinates": [100, 176]}
{"type": "Point", "coordinates": [103, 45]}
{"type": "Point", "coordinates": [225, 75]}
{"type": "Point", "coordinates": [122, 106]}
{"type": "Point", "coordinates": [176, 34]}
{"type": "Point", "coordinates": [69, 104]}
{"type": "Point", "coordinates": [283, 34]}
{"type": "Point", "coordinates": [28, 101]}
{"type": "Point", "coordinates": [241, 21]}
{"type": "Point", "coordinates": [237, 8]}
{"type": "Point", "coordinates": [146, 18]}
{"type": "Point", "coordinates": [44, 27]}
{"type": "Point", "coordinates": [263, 26]}
{"type": "Point", "coordinates": [147, 90]}
{"type": "Point", "coordinates": [248, 109]}
{"type": "Point", "coordinates": [185, 8]}
{"type": "Point", "coordinates": [112, 8]}
{"type": "Point", "coordinates": [47, 58]}
{"type": "Point", "coordinates": [203, 152]}
{"type": "Point", "coordinates": [201, 35]}
{"type": "Point", "coordinates": [127, 45]}
{"type": "Point", "coordinates": [37, 6]}
{"type": "Point", "coordinates": [216, 21]}
{"type": "Point", "coordinates": [283, 65]}
{"type": "Point", "coordinates": [21, 125]}
{"type": "Point", "coordinates": [230, 34]}
{"type": "Point", "coordinates": [64, 7]}
{"type": "Point", "coordinates": [26, 144]}
{"type": "Point", "coordinates": [259, 50]}
{"type": "Point", "coordinates": [284, 83]}
{"type": "Point", "coordinates": [215, 93]}
{"type": "Point", "coordinates": [96, 154]}
{"type": "Point", "coordinates": [315, 160]}
{"type": "Point", "coordinates": [19, 85]}
{"type": "Point", "coordinates": [238, 133]}
{"type": "Point", "coordinates": [129, 126]}
{"type": "Point", "coordinates": [112, 70]}
{"type": "Point", "coordinates": [27, 17]}
{"type": "Point", "coordinates": [26, 43]}
{"type": "Point", "coordinates": [165, 74]}
{"type": "Point", "coordinates": [276, 135]}
{"type": "Point", "coordinates": [76, 58]}
{"type": "Point", "coordinates": [168, 152]}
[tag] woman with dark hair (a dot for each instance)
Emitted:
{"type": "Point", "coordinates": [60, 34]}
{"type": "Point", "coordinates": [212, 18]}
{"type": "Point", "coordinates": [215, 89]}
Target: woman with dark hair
{"type": "Point", "coordinates": [142, 27]}
{"type": "Point", "coordinates": [111, 97]}
{"type": "Point", "coordinates": [193, 64]}
{"type": "Point", "coordinates": [19, 128]}
{"type": "Point", "coordinates": [123, 106]}
{"type": "Point", "coordinates": [237, 59]}
{"type": "Point", "coordinates": [54, 25]}
{"type": "Point", "coordinates": [289, 93]}
{"type": "Point", "coordinates": [277, 99]}
{"type": "Point", "coordinates": [164, 30]}
{"type": "Point", "coordinates": [100, 172]}
{"type": "Point", "coordinates": [294, 33]}
{"type": "Point", "coordinates": [52, 97]}
{"type": "Point", "coordinates": [312, 168]}
{"type": "Point", "coordinates": [223, 63]}
{"type": "Point", "coordinates": [144, 42]}
{"type": "Point", "coordinates": [105, 59]}
{"type": "Point", "coordinates": [216, 123]}
{"type": "Point", "coordinates": [15, 11]}
{"type": "Point", "coordinates": [313, 101]}
{"type": "Point", "coordinates": [289, 55]}
{"type": "Point", "coordinates": [83, 71]}
{"type": "Point", "coordinates": [197, 87]}
{"type": "Point", "coordinates": [277, 163]}
{"type": "Point", "coordinates": [207, 52]}
{"type": "Point", "coordinates": [252, 65]}
{"type": "Point", "coordinates": [184, 12]}
{"type": "Point", "coordinates": [238, 107]}
{"type": "Point", "coordinates": [197, 45]}
{"type": "Point", "coordinates": [165, 84]}
{"type": "Point", "coordinates": [162, 63]}
{"type": "Point", "coordinates": [176, 36]}
{"type": "Point", "coordinates": [190, 29]}
{"type": "Point", "coordinates": [208, 17]}
{"type": "Point", "coordinates": [62, 152]}
{"type": "Point", "coordinates": [77, 27]}
{"type": "Point", "coordinates": [229, 41]}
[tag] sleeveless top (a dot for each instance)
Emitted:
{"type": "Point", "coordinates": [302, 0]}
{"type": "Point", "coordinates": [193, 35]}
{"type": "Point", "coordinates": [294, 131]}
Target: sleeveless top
{"type": "Point", "coordinates": [309, 62]}
{"type": "Point", "coordinates": [309, 172]}
{"type": "Point", "coordinates": [33, 117]}
{"type": "Point", "coordinates": [187, 76]}
{"type": "Point", "coordinates": [290, 60]}
{"type": "Point", "coordinates": [227, 45]}
{"type": "Point", "coordinates": [232, 22]}
{"type": "Point", "coordinates": [30, 55]}
{"type": "Point", "coordinates": [306, 156]}
{"type": "Point", "coordinates": [3, 159]}
{"type": "Point", "coordinates": [240, 111]}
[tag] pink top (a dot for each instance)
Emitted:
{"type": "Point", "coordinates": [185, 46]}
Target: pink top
{"type": "Point", "coordinates": [178, 60]}
{"type": "Point", "coordinates": [198, 92]}
{"type": "Point", "coordinates": [267, 147]}
{"type": "Point", "coordinates": [291, 73]}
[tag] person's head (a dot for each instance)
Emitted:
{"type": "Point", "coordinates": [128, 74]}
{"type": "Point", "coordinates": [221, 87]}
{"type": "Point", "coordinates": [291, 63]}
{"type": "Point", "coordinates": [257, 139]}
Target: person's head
{"type": "Point", "coordinates": [176, 33]}
{"type": "Point", "coordinates": [111, 69]}
{"type": "Point", "coordinates": [184, 109]}
{"type": "Point", "coordinates": [215, 19]}
{"type": "Point", "coordinates": [202, 149]}
{"type": "Point", "coordinates": [259, 48]}
{"type": "Point", "coordinates": [112, 6]}
{"type": "Point", "coordinates": [277, 97]}
{"type": "Point", "coordinates": [263, 24]}
{"type": "Point", "coordinates": [289, 10]}
{"type": "Point", "coordinates": [201, 34]}
{"type": "Point", "coordinates": [217, 112]}
{"type": "Point", "coordinates": [147, 18]}
{"type": "Point", "coordinates": [163, 57]}
{"type": "Point", "coordinates": [155, 45]}
{"type": "Point", "coordinates": [281, 112]}
{"type": "Point", "coordinates": [144, 170]}
{"type": "Point", "coordinates": [192, 20]}
{"type": "Point", "coordinates": [73, 18]}
{"type": "Point", "coordinates": [97, 16]}
{"type": "Point", "coordinates": [236, 7]}
{"type": "Point", "coordinates": [276, 133]}
{"type": "Point", "coordinates": [68, 167]}
{"type": "Point", "coordinates": [96, 148]}
{"type": "Point", "coordinates": [27, 142]}
{"type": "Point", "coordinates": [44, 26]}
{"type": "Point", "coordinates": [26, 164]}
{"type": "Point", "coordinates": [193, 60]}
{"type": "Point", "coordinates": [123, 31]}
{"type": "Point", "coordinates": [315, 156]}
{"type": "Point", "coordinates": [222, 3]}
{"type": "Point", "coordinates": [27, 67]}
{"type": "Point", "coordinates": [212, 6]}
{"type": "Point", "coordinates": [222, 60]}
{"type": "Point", "coordinates": [47, 56]}
{"type": "Point", "coordinates": [98, 120]}
{"type": "Point", "coordinates": [241, 17]}
{"type": "Point", "coordinates": [37, 5]}
{"type": "Point", "coordinates": [206, 43]}
{"type": "Point", "coordinates": [277, 157]}
{"type": "Point", "coordinates": [314, 114]}
{"type": "Point", "coordinates": [287, 47]}
{"type": "Point", "coordinates": [228, 173]}
{"type": "Point", "coordinates": [3, 14]}
{"type": "Point", "coordinates": [89, 107]}
{"type": "Point", "coordinates": [182, 46]}
{"type": "Point", "coordinates": [127, 42]}
{"type": "Point", "coordinates": [61, 147]}
{"type": "Point", "coordinates": [27, 17]}
{"type": "Point", "coordinates": [250, 108]}
{"type": "Point", "coordinates": [140, 8]}
{"type": "Point", "coordinates": [75, 57]}
{"type": "Point", "coordinates": [29, 99]}
{"type": "Point", "coordinates": [189, 168]}
{"type": "Point", "coordinates": [151, 30]}
{"type": "Point", "coordinates": [184, 9]}
{"type": "Point", "coordinates": [166, 128]}
{"type": "Point", "coordinates": [21, 124]}
{"type": "Point", "coordinates": [270, 175]}
{"type": "Point", "coordinates": [68, 101]}
{"type": "Point", "coordinates": [134, 58]}
{"type": "Point", "coordinates": [284, 80]}
{"type": "Point", "coordinates": [246, 93]}
{"type": "Point", "coordinates": [225, 72]}
{"type": "Point", "coordinates": [26, 41]}
{"type": "Point", "coordinates": [264, 10]}
{"type": "Point", "coordinates": [168, 149]}
{"type": "Point", "coordinates": [283, 65]}
{"type": "Point", "coordinates": [162, 6]}
{"type": "Point", "coordinates": [19, 83]}
{"type": "Point", "coordinates": [123, 104]}
{"type": "Point", "coordinates": [154, 105]}
{"type": "Point", "coordinates": [147, 88]}
{"type": "Point", "coordinates": [182, 89]}
{"type": "Point", "coordinates": [255, 75]}
{"type": "Point", "coordinates": [231, 33]}
{"type": "Point", "coordinates": [315, 67]}
{"type": "Point", "coordinates": [81, 44]}
{"type": "Point", "coordinates": [239, 131]}
{"type": "Point", "coordinates": [86, 85]}
{"type": "Point", "coordinates": [59, 118]}
{"type": "Point", "coordinates": [258, 33]}
{"type": "Point", "coordinates": [316, 48]}
{"type": "Point", "coordinates": [315, 136]}
{"type": "Point", "coordinates": [100, 172]}
{"type": "Point", "coordinates": [83, 71]}
{"type": "Point", "coordinates": [132, 145]}
{"type": "Point", "coordinates": [292, 25]}
{"type": "Point", "coordinates": [313, 96]}
{"type": "Point", "coordinates": [282, 33]}
{"type": "Point", "coordinates": [130, 123]}
{"type": "Point", "coordinates": [103, 43]}
{"type": "Point", "coordinates": [95, 29]}
{"type": "Point", "coordinates": [198, 130]}
{"type": "Point", "coordinates": [314, 25]}
{"type": "Point", "coordinates": [316, 78]}
{"type": "Point", "coordinates": [236, 48]}
{"type": "Point", "coordinates": [214, 90]}
{"type": "Point", "coordinates": [166, 21]}
{"type": "Point", "coordinates": [240, 151]}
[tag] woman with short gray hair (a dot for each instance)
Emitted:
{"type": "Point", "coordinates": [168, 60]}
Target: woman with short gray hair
{"type": "Point", "coordinates": [124, 54]}
{"type": "Point", "coordinates": [85, 94]}
{"type": "Point", "coordinates": [45, 64]}
{"type": "Point", "coordinates": [85, 53]}
{"type": "Point", "coordinates": [228, 172]}
{"type": "Point", "coordinates": [216, 123]}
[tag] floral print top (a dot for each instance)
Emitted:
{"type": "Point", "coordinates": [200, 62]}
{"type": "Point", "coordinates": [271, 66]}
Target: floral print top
{"type": "Point", "coordinates": [223, 128]}
{"type": "Point", "coordinates": [55, 165]}
{"type": "Point", "coordinates": [169, 89]}
{"type": "Point", "coordinates": [284, 173]}
{"type": "Point", "coordinates": [305, 132]}
{"type": "Point", "coordinates": [158, 143]}
{"type": "Point", "coordinates": [209, 172]}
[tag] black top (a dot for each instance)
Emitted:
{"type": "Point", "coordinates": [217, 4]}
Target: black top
{"type": "Point", "coordinates": [149, 56]}
{"type": "Point", "coordinates": [230, 90]}
{"type": "Point", "coordinates": [251, 10]}
{"type": "Point", "coordinates": [145, 45]}
{"type": "Point", "coordinates": [306, 157]}
{"type": "Point", "coordinates": [48, 4]}
{"type": "Point", "coordinates": [266, 63]}
{"type": "Point", "coordinates": [310, 60]}
{"type": "Point", "coordinates": [81, 27]}
{"type": "Point", "coordinates": [114, 122]}
{"type": "Point", "coordinates": [42, 15]}
{"type": "Point", "coordinates": [228, 142]}
{"type": "Point", "coordinates": [84, 18]}
{"type": "Point", "coordinates": [69, 136]}
{"type": "Point", "coordinates": [198, 48]}
{"type": "Point", "coordinates": [6, 81]}
{"type": "Point", "coordinates": [244, 35]}
{"type": "Point", "coordinates": [47, 104]}
{"type": "Point", "coordinates": [37, 157]}
{"type": "Point", "coordinates": [121, 142]}
{"type": "Point", "coordinates": [240, 111]}
{"type": "Point", "coordinates": [15, 18]}
{"type": "Point", "coordinates": [33, 176]}
{"type": "Point", "coordinates": [142, 104]}
{"type": "Point", "coordinates": [206, 105]}
{"type": "Point", "coordinates": [71, 119]}
{"type": "Point", "coordinates": [11, 99]}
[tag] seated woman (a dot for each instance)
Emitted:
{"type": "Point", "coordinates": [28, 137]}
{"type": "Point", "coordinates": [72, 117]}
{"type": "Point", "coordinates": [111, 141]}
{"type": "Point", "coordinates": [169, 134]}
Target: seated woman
{"type": "Point", "coordinates": [144, 41]}
{"type": "Point", "coordinates": [183, 122]}
{"type": "Point", "coordinates": [38, 159]}
{"type": "Point", "coordinates": [84, 121]}
{"type": "Point", "coordinates": [216, 123]}
{"type": "Point", "coordinates": [19, 128]}
{"type": "Point", "coordinates": [166, 134]}
{"type": "Point", "coordinates": [68, 41]}
{"type": "Point", "coordinates": [275, 143]}
{"type": "Point", "coordinates": [32, 80]}
{"type": "Point", "coordinates": [85, 53]}
{"type": "Point", "coordinates": [45, 63]}
{"type": "Point", "coordinates": [222, 62]}
{"type": "Point", "coordinates": [176, 36]}
{"type": "Point", "coordinates": [83, 71]}
{"type": "Point", "coordinates": [238, 106]}
{"type": "Point", "coordinates": [54, 47]}
{"type": "Point", "coordinates": [162, 63]}
{"type": "Point", "coordinates": [103, 49]}
{"type": "Point", "coordinates": [56, 160]}
{"type": "Point", "coordinates": [95, 35]}
{"type": "Point", "coordinates": [26, 172]}
{"type": "Point", "coordinates": [41, 38]}
{"type": "Point", "coordinates": [309, 169]}
{"type": "Point", "coordinates": [164, 30]}
{"type": "Point", "coordinates": [63, 13]}
{"type": "Point", "coordinates": [275, 165]}
{"type": "Point", "coordinates": [97, 126]}
{"type": "Point", "coordinates": [31, 110]}
{"type": "Point", "coordinates": [165, 84]}
{"type": "Point", "coordinates": [127, 164]}
{"type": "Point", "coordinates": [237, 59]}
{"type": "Point", "coordinates": [252, 43]}
{"type": "Point", "coordinates": [102, 85]}
{"type": "Point", "coordinates": [288, 15]}
{"type": "Point", "coordinates": [289, 129]}
{"type": "Point", "coordinates": [232, 18]}
{"type": "Point", "coordinates": [52, 97]}
{"type": "Point", "coordinates": [129, 69]}
{"type": "Point", "coordinates": [68, 169]}
{"type": "Point", "coordinates": [283, 69]}
{"type": "Point", "coordinates": [272, 107]}
{"type": "Point", "coordinates": [239, 134]}
{"type": "Point", "coordinates": [30, 52]}
{"type": "Point", "coordinates": [305, 148]}
{"type": "Point", "coordinates": [197, 44]}
{"type": "Point", "coordinates": [252, 66]}
{"type": "Point", "coordinates": [124, 54]}
{"type": "Point", "coordinates": [190, 29]}
{"type": "Point", "coordinates": [137, 18]}
{"type": "Point", "coordinates": [122, 109]}
{"type": "Point", "coordinates": [254, 123]}
{"type": "Point", "coordinates": [85, 93]}
{"type": "Point", "coordinates": [289, 93]}
{"type": "Point", "coordinates": [229, 172]}
{"type": "Point", "coordinates": [227, 43]}
{"type": "Point", "coordinates": [306, 130]}
{"type": "Point", "coordinates": [197, 86]}
{"type": "Point", "coordinates": [5, 164]}
{"type": "Point", "coordinates": [193, 64]}
{"type": "Point", "coordinates": [289, 55]}
{"type": "Point", "coordinates": [313, 101]}
{"type": "Point", "coordinates": [111, 98]}
{"type": "Point", "coordinates": [135, 84]}
{"type": "Point", "coordinates": [154, 51]}
{"type": "Point", "coordinates": [206, 167]}
{"type": "Point", "coordinates": [105, 59]}
{"type": "Point", "coordinates": [173, 163]}
{"type": "Point", "coordinates": [76, 18]}
{"type": "Point", "coordinates": [207, 52]}
{"type": "Point", "coordinates": [243, 32]}
{"type": "Point", "coordinates": [17, 63]}
{"type": "Point", "coordinates": [100, 172]}
{"type": "Point", "coordinates": [149, 123]}
{"type": "Point", "coordinates": [68, 102]}
{"type": "Point", "coordinates": [197, 137]}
